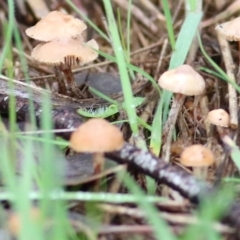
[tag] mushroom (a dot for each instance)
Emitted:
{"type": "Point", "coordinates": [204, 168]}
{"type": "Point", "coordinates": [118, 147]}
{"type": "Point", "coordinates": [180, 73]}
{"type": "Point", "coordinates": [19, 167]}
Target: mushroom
{"type": "Point", "coordinates": [230, 29]}
{"type": "Point", "coordinates": [199, 158]}
{"type": "Point", "coordinates": [183, 81]}
{"type": "Point", "coordinates": [14, 223]}
{"type": "Point", "coordinates": [56, 25]}
{"type": "Point", "coordinates": [65, 53]}
{"type": "Point", "coordinates": [63, 47]}
{"type": "Point", "coordinates": [218, 117]}
{"type": "Point", "coordinates": [97, 136]}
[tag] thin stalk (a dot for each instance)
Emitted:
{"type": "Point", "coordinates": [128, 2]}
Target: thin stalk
{"type": "Point", "coordinates": [126, 85]}
{"type": "Point", "coordinates": [169, 23]}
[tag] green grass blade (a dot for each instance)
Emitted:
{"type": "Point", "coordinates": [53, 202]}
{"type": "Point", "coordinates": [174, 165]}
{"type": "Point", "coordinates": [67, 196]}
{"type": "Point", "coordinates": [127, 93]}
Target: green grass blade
{"type": "Point", "coordinates": [185, 38]}
{"type": "Point", "coordinates": [126, 85]}
{"type": "Point", "coordinates": [169, 23]}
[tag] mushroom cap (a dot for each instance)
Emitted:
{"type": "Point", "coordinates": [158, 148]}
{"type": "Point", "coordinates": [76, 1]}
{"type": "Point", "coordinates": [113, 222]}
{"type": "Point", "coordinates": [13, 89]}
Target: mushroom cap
{"type": "Point", "coordinates": [218, 117]}
{"type": "Point", "coordinates": [197, 156]}
{"type": "Point", "coordinates": [56, 25]}
{"type": "Point", "coordinates": [96, 135]}
{"type": "Point", "coordinates": [71, 51]}
{"type": "Point", "coordinates": [230, 29]}
{"type": "Point", "coordinates": [183, 79]}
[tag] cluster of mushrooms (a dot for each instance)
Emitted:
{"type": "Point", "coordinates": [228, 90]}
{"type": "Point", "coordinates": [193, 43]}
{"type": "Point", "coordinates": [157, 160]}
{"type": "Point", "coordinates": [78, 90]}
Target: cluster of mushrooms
{"type": "Point", "coordinates": [185, 81]}
{"type": "Point", "coordinates": [62, 46]}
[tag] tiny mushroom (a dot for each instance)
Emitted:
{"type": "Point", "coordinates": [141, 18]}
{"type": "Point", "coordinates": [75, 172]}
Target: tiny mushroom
{"type": "Point", "coordinates": [230, 29]}
{"type": "Point", "coordinates": [199, 158]}
{"type": "Point", "coordinates": [97, 136]}
{"type": "Point", "coordinates": [14, 221]}
{"type": "Point", "coordinates": [184, 81]}
{"type": "Point", "coordinates": [62, 47]}
{"type": "Point", "coordinates": [218, 117]}
{"type": "Point", "coordinates": [56, 25]}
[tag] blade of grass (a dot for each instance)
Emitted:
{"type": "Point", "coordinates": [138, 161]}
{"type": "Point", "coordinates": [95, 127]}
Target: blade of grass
{"type": "Point", "coordinates": [169, 23]}
{"type": "Point", "coordinates": [126, 85]}
{"type": "Point", "coordinates": [84, 196]}
{"type": "Point", "coordinates": [216, 67]}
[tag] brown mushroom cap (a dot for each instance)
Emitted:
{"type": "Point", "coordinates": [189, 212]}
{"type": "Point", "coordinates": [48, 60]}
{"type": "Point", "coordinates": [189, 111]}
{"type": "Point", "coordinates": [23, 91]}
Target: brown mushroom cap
{"type": "Point", "coordinates": [71, 51]}
{"type": "Point", "coordinates": [56, 25]}
{"type": "Point", "coordinates": [197, 156]}
{"type": "Point", "coordinates": [218, 117]}
{"type": "Point", "coordinates": [184, 80]}
{"type": "Point", "coordinates": [230, 29]}
{"type": "Point", "coordinates": [96, 135]}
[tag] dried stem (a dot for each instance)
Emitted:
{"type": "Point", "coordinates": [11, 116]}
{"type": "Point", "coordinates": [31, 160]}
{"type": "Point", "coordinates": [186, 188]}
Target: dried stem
{"type": "Point", "coordinates": [60, 79]}
{"type": "Point", "coordinates": [233, 8]}
{"type": "Point", "coordinates": [170, 125]}
{"type": "Point", "coordinates": [70, 82]}
{"type": "Point", "coordinates": [230, 67]}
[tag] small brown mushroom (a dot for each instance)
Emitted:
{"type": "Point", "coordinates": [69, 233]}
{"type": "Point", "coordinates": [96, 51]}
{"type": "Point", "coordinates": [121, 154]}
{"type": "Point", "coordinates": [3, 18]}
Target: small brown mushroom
{"type": "Point", "coordinates": [230, 29]}
{"type": "Point", "coordinates": [183, 80]}
{"type": "Point", "coordinates": [218, 117]}
{"type": "Point", "coordinates": [56, 25]}
{"type": "Point", "coordinates": [199, 158]}
{"type": "Point", "coordinates": [14, 223]}
{"type": "Point", "coordinates": [63, 47]}
{"type": "Point", "coordinates": [65, 53]}
{"type": "Point", "coordinates": [97, 136]}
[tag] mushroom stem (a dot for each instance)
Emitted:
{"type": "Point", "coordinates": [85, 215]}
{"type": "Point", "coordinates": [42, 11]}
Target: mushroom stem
{"type": "Point", "coordinates": [60, 79]}
{"type": "Point", "coordinates": [200, 172]}
{"type": "Point", "coordinates": [71, 84]}
{"type": "Point", "coordinates": [170, 125]}
{"type": "Point", "coordinates": [98, 162]}
{"type": "Point", "coordinates": [225, 138]}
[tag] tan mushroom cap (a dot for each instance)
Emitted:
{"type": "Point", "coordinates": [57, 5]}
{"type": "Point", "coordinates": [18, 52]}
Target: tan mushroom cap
{"type": "Point", "coordinates": [197, 156]}
{"type": "Point", "coordinates": [230, 29]}
{"type": "Point", "coordinates": [71, 51]}
{"type": "Point", "coordinates": [96, 135]}
{"type": "Point", "coordinates": [56, 25]}
{"type": "Point", "coordinates": [184, 80]}
{"type": "Point", "coordinates": [218, 117]}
